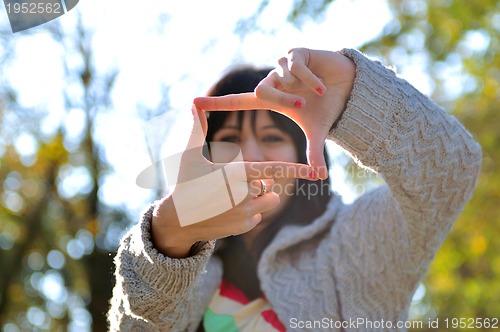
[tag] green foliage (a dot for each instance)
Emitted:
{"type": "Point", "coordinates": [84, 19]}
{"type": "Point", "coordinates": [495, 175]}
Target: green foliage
{"type": "Point", "coordinates": [456, 43]}
{"type": "Point", "coordinates": [464, 279]}
{"type": "Point", "coordinates": [54, 272]}
{"type": "Point", "coordinates": [303, 10]}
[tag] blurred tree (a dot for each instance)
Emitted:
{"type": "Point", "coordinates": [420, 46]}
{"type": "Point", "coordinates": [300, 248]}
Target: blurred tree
{"type": "Point", "coordinates": [457, 44]}
{"type": "Point", "coordinates": [56, 263]}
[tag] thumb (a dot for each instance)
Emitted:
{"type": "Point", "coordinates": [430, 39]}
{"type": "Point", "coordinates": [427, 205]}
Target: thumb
{"type": "Point", "coordinates": [316, 156]}
{"type": "Point", "coordinates": [199, 129]}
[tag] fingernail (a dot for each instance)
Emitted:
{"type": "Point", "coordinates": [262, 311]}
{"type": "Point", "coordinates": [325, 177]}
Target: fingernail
{"type": "Point", "coordinates": [320, 91]}
{"type": "Point", "coordinates": [297, 103]}
{"type": "Point", "coordinates": [312, 174]}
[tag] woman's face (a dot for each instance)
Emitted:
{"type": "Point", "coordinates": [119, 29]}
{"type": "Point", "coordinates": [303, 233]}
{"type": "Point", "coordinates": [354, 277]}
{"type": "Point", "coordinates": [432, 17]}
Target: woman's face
{"type": "Point", "coordinates": [264, 142]}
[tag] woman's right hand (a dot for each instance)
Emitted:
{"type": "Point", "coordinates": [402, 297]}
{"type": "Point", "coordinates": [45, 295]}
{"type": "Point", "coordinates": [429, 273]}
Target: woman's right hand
{"type": "Point", "coordinates": [215, 200]}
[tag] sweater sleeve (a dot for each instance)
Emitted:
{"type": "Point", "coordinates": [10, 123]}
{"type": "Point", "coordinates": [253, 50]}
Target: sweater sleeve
{"type": "Point", "coordinates": [430, 164]}
{"type": "Point", "coordinates": [154, 292]}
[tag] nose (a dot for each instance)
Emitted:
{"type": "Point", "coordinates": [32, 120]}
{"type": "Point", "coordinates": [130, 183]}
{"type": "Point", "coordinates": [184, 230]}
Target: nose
{"type": "Point", "coordinates": [251, 150]}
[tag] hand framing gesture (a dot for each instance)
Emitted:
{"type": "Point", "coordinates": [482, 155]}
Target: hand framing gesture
{"type": "Point", "coordinates": [311, 87]}
{"type": "Point", "coordinates": [215, 200]}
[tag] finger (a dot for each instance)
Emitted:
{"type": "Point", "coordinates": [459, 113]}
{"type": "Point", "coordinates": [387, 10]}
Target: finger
{"type": "Point", "coordinates": [316, 157]}
{"type": "Point", "coordinates": [276, 97]}
{"type": "Point", "coordinates": [257, 188]}
{"type": "Point", "coordinates": [285, 79]}
{"type": "Point", "coordinates": [231, 102]}
{"type": "Point", "coordinates": [199, 129]}
{"type": "Point", "coordinates": [203, 120]}
{"type": "Point", "coordinates": [271, 170]}
{"type": "Point", "coordinates": [251, 212]}
{"type": "Point", "coordinates": [261, 204]}
{"type": "Point", "coordinates": [297, 59]}
{"type": "Point", "coordinates": [307, 77]}
{"type": "Point", "coordinates": [256, 219]}
{"type": "Point", "coordinates": [246, 225]}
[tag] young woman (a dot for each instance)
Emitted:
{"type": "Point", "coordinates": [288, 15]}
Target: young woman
{"type": "Point", "coordinates": [287, 259]}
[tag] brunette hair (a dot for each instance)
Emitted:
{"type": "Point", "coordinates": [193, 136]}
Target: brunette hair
{"type": "Point", "coordinates": [301, 208]}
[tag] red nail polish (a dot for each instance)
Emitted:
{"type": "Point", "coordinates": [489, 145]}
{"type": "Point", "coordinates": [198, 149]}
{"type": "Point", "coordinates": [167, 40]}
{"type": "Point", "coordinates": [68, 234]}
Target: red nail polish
{"type": "Point", "coordinates": [312, 174]}
{"type": "Point", "coordinates": [320, 91]}
{"type": "Point", "coordinates": [297, 103]}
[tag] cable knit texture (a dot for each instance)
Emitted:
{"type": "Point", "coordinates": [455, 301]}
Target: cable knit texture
{"type": "Point", "coordinates": [362, 260]}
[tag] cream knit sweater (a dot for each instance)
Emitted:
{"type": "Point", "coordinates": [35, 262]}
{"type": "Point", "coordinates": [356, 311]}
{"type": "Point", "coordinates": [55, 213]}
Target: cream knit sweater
{"type": "Point", "coordinates": [356, 263]}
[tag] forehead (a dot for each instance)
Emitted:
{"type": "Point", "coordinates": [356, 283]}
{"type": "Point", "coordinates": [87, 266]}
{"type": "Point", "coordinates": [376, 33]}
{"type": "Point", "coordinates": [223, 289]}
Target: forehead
{"type": "Point", "coordinates": [253, 118]}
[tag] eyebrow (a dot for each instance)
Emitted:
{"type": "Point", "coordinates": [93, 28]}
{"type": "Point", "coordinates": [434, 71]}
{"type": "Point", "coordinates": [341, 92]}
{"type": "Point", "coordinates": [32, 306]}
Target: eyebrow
{"type": "Point", "coordinates": [273, 126]}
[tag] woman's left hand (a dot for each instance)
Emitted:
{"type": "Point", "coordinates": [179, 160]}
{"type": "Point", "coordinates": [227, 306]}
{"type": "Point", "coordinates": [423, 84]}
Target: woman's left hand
{"type": "Point", "coordinates": [311, 87]}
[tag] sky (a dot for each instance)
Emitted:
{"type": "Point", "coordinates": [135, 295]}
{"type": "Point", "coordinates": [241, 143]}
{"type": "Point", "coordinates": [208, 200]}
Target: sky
{"type": "Point", "coordinates": [187, 48]}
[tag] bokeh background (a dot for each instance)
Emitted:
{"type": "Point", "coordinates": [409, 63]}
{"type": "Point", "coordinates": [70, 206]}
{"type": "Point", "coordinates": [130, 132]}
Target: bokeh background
{"type": "Point", "coordinates": [78, 96]}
